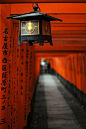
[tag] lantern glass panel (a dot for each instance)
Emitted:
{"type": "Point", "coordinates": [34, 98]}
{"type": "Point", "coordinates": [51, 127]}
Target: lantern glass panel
{"type": "Point", "coordinates": [30, 27]}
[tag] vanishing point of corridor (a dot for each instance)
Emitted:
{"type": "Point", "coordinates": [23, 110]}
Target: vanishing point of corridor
{"type": "Point", "coordinates": [55, 107]}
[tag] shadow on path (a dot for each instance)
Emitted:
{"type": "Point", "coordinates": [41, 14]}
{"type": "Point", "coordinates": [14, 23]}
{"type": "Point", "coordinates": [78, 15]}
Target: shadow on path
{"type": "Point", "coordinates": [39, 115]}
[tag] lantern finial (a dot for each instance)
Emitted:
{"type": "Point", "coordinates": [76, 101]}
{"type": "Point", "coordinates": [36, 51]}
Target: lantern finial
{"type": "Point", "coordinates": [35, 8]}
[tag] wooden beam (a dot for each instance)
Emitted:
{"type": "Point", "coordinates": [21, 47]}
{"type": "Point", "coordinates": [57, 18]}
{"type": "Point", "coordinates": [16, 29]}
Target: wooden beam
{"type": "Point", "coordinates": [70, 18]}
{"type": "Point", "coordinates": [77, 40]}
{"type": "Point", "coordinates": [50, 54]}
{"type": "Point", "coordinates": [50, 8]}
{"type": "Point", "coordinates": [71, 43]}
{"type": "Point", "coordinates": [53, 24]}
{"type": "Point", "coordinates": [41, 1]}
{"type": "Point", "coordinates": [67, 29]}
{"type": "Point", "coordinates": [65, 46]}
{"type": "Point", "coordinates": [68, 35]}
{"type": "Point", "coordinates": [65, 32]}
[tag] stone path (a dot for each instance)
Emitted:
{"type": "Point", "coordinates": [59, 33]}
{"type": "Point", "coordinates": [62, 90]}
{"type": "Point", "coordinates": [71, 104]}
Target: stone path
{"type": "Point", "coordinates": [51, 109]}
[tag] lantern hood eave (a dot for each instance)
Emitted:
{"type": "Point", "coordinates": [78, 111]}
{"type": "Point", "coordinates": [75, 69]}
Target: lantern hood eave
{"type": "Point", "coordinates": [32, 15]}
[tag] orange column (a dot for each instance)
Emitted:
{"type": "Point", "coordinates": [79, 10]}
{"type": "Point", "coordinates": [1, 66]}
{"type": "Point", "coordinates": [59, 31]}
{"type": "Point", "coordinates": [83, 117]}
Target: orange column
{"type": "Point", "coordinates": [4, 65]}
{"type": "Point", "coordinates": [37, 68]}
{"type": "Point", "coordinates": [14, 78]}
{"type": "Point", "coordinates": [84, 72]}
{"type": "Point", "coordinates": [9, 81]}
{"type": "Point", "coordinates": [27, 82]}
{"type": "Point", "coordinates": [80, 70]}
{"type": "Point", "coordinates": [22, 85]}
{"type": "Point", "coordinates": [30, 73]}
{"type": "Point", "coordinates": [17, 84]}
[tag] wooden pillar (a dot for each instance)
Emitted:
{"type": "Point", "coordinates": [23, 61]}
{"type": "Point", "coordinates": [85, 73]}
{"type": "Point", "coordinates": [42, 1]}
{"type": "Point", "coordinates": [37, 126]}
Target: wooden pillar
{"type": "Point", "coordinates": [4, 66]}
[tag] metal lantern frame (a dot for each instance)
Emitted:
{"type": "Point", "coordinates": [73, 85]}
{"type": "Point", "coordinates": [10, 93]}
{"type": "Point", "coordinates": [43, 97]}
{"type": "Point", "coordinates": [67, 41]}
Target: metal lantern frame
{"type": "Point", "coordinates": [44, 29]}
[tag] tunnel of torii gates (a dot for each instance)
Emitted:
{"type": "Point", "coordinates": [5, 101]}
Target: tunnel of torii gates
{"type": "Point", "coordinates": [20, 65]}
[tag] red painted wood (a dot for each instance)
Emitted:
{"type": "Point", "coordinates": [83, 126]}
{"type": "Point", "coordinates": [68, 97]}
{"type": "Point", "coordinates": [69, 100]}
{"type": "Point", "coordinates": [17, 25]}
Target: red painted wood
{"type": "Point", "coordinates": [41, 1]}
{"type": "Point", "coordinates": [67, 56]}
{"type": "Point", "coordinates": [50, 8]}
{"type": "Point", "coordinates": [4, 66]}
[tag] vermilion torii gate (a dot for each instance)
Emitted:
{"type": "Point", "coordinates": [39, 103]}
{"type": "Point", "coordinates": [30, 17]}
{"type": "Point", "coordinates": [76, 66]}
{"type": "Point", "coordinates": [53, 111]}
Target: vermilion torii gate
{"type": "Point", "coordinates": [20, 65]}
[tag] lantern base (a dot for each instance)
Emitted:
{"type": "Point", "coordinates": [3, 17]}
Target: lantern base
{"type": "Point", "coordinates": [35, 39]}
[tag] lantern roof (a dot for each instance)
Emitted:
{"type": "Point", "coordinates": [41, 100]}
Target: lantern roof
{"type": "Point", "coordinates": [33, 15]}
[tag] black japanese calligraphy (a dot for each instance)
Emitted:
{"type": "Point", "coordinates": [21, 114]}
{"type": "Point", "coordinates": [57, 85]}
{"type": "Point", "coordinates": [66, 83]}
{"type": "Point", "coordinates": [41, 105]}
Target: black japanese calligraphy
{"type": "Point", "coordinates": [3, 121]}
{"type": "Point", "coordinates": [6, 31]}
